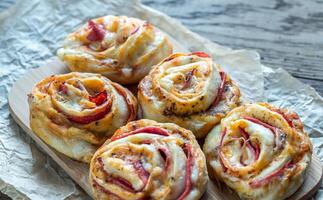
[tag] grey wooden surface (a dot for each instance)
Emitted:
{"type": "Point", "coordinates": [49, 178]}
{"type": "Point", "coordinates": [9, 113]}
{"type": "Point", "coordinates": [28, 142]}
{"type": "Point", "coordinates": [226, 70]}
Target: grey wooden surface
{"type": "Point", "coordinates": [286, 33]}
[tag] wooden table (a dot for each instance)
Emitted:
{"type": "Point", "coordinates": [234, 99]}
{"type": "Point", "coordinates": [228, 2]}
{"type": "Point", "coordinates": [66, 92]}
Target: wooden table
{"type": "Point", "coordinates": [287, 34]}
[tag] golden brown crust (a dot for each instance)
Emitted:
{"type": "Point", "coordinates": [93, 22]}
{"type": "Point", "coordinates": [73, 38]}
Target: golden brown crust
{"type": "Point", "coordinates": [260, 151]}
{"type": "Point", "coordinates": [149, 160]}
{"type": "Point", "coordinates": [189, 90]}
{"type": "Point", "coordinates": [76, 112]}
{"type": "Point", "coordinates": [118, 47]}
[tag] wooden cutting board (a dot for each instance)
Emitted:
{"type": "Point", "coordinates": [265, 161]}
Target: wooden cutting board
{"type": "Point", "coordinates": [79, 171]}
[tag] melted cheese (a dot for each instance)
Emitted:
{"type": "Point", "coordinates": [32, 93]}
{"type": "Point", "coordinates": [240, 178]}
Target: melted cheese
{"type": "Point", "coordinates": [270, 174]}
{"type": "Point", "coordinates": [56, 99]}
{"type": "Point", "coordinates": [120, 155]}
{"type": "Point", "coordinates": [183, 89]}
{"type": "Point", "coordinates": [132, 44]}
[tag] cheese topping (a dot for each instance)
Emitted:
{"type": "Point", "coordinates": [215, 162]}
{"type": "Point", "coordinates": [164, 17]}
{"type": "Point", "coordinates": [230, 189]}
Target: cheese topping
{"type": "Point", "coordinates": [119, 47]}
{"type": "Point", "coordinates": [189, 90]}
{"type": "Point", "coordinates": [145, 159]}
{"type": "Point", "coordinates": [79, 111]}
{"type": "Point", "coordinates": [258, 153]}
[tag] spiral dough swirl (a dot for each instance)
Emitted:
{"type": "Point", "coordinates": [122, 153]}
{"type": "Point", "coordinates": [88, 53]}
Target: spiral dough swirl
{"type": "Point", "coordinates": [76, 112]}
{"type": "Point", "coordinates": [189, 90]}
{"type": "Point", "coordinates": [149, 160]}
{"type": "Point", "coordinates": [118, 47]}
{"type": "Point", "coordinates": [260, 151]}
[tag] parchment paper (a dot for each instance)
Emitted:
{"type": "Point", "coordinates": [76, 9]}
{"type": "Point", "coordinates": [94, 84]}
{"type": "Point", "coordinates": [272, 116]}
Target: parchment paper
{"type": "Point", "coordinates": [30, 33]}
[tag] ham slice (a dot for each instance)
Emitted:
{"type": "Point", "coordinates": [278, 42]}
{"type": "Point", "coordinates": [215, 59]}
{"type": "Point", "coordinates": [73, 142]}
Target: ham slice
{"type": "Point", "coordinates": [270, 177]}
{"type": "Point", "coordinates": [121, 182]}
{"type": "Point", "coordinates": [128, 99]}
{"type": "Point", "coordinates": [97, 33]}
{"type": "Point", "coordinates": [90, 118]}
{"type": "Point", "coordinates": [188, 171]}
{"type": "Point", "coordinates": [255, 150]}
{"type": "Point", "coordinates": [223, 133]}
{"type": "Point", "coordinates": [63, 88]}
{"type": "Point", "coordinates": [148, 129]}
{"type": "Point", "coordinates": [188, 78]}
{"type": "Point", "coordinates": [99, 98]}
{"type": "Point", "coordinates": [200, 54]}
{"type": "Point", "coordinates": [104, 190]}
{"type": "Point", "coordinates": [143, 174]}
{"type": "Point", "coordinates": [164, 152]}
{"type": "Point", "coordinates": [257, 121]}
{"type": "Point", "coordinates": [220, 89]}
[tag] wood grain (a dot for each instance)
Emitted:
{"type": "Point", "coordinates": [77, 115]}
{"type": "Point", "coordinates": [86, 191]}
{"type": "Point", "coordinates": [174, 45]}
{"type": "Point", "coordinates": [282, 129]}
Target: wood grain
{"type": "Point", "coordinates": [286, 33]}
{"type": "Point", "coordinates": [79, 171]}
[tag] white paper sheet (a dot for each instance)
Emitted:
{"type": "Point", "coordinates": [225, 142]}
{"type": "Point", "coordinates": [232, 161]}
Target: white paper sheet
{"type": "Point", "coordinates": [30, 33]}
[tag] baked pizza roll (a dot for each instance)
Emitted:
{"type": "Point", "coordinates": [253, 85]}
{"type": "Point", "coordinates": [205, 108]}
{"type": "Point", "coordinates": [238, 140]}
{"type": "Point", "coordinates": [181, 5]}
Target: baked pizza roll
{"type": "Point", "coordinates": [75, 113]}
{"type": "Point", "coordinates": [260, 151]}
{"type": "Point", "coordinates": [189, 90]}
{"type": "Point", "coordinates": [149, 160]}
{"type": "Point", "coordinates": [118, 47]}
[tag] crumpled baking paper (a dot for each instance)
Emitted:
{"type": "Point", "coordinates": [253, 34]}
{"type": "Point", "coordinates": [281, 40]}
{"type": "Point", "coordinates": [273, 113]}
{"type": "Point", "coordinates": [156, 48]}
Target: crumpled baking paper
{"type": "Point", "coordinates": [30, 33]}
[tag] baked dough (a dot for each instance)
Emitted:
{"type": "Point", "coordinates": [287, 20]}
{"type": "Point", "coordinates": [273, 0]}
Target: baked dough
{"type": "Point", "coordinates": [260, 151]}
{"type": "Point", "coordinates": [149, 160]}
{"type": "Point", "coordinates": [75, 113]}
{"type": "Point", "coordinates": [118, 47]}
{"type": "Point", "coordinates": [188, 89]}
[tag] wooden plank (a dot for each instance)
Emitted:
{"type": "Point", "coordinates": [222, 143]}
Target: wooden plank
{"type": "Point", "coordinates": [79, 171]}
{"type": "Point", "coordinates": [286, 33]}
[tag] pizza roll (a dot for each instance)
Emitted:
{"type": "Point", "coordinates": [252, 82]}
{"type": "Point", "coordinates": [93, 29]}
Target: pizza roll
{"type": "Point", "coordinates": [118, 47]}
{"type": "Point", "coordinates": [75, 113]}
{"type": "Point", "coordinates": [149, 160]}
{"type": "Point", "coordinates": [189, 90]}
{"type": "Point", "coordinates": [260, 151]}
